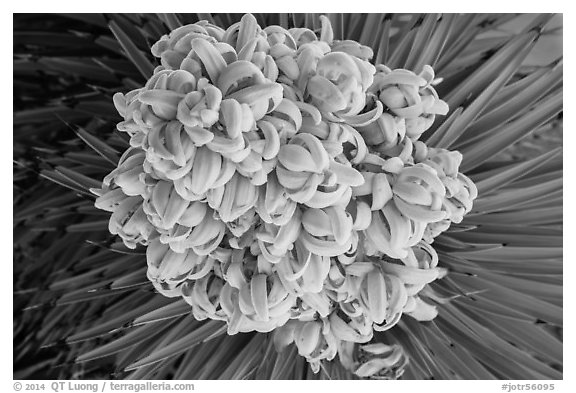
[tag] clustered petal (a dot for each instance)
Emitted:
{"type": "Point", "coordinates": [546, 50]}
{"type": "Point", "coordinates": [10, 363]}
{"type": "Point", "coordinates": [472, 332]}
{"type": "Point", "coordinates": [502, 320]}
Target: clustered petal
{"type": "Point", "coordinates": [277, 180]}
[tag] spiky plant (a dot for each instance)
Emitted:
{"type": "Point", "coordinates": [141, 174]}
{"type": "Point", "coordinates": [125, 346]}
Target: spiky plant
{"type": "Point", "coordinates": [84, 307]}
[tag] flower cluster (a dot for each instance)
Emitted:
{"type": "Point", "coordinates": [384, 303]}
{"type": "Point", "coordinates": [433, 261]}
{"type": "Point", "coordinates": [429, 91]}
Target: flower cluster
{"type": "Point", "coordinates": [277, 180]}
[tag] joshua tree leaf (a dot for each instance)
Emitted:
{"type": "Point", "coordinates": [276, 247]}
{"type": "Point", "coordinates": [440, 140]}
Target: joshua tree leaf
{"type": "Point", "coordinates": [401, 51]}
{"type": "Point", "coordinates": [521, 302]}
{"type": "Point", "coordinates": [491, 233]}
{"type": "Point", "coordinates": [171, 20]}
{"type": "Point", "coordinates": [85, 68]}
{"type": "Point", "coordinates": [452, 355]}
{"type": "Point", "coordinates": [283, 367]}
{"type": "Point", "coordinates": [505, 135]}
{"type": "Point", "coordinates": [512, 253]}
{"type": "Point", "coordinates": [247, 360]}
{"type": "Point", "coordinates": [50, 39]}
{"type": "Point", "coordinates": [91, 18]}
{"type": "Point", "coordinates": [371, 25]}
{"type": "Point", "coordinates": [135, 336]}
{"type": "Point", "coordinates": [130, 280]}
{"type": "Point", "coordinates": [83, 295]}
{"type": "Point", "coordinates": [503, 176]}
{"type": "Point", "coordinates": [473, 110]}
{"type": "Point", "coordinates": [495, 346]}
{"type": "Point", "coordinates": [538, 216]}
{"type": "Point", "coordinates": [62, 180]}
{"type": "Point", "coordinates": [201, 334]}
{"type": "Point", "coordinates": [530, 336]}
{"type": "Point", "coordinates": [100, 147]}
{"type": "Point", "coordinates": [382, 45]}
{"type": "Point", "coordinates": [522, 96]}
{"type": "Point", "coordinates": [172, 310]}
{"type": "Point", "coordinates": [81, 180]}
{"type": "Point", "coordinates": [483, 76]}
{"type": "Point", "coordinates": [47, 114]}
{"type": "Point", "coordinates": [132, 52]}
{"type": "Point", "coordinates": [195, 359]}
{"type": "Point", "coordinates": [530, 267]}
{"type": "Point", "coordinates": [511, 196]}
{"type": "Point", "coordinates": [542, 290]}
{"type": "Point", "coordinates": [498, 364]}
{"type": "Point", "coordinates": [113, 324]}
{"type": "Point", "coordinates": [421, 42]}
{"type": "Point", "coordinates": [436, 42]}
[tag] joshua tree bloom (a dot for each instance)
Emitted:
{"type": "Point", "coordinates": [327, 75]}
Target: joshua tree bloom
{"type": "Point", "coordinates": [292, 152]}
